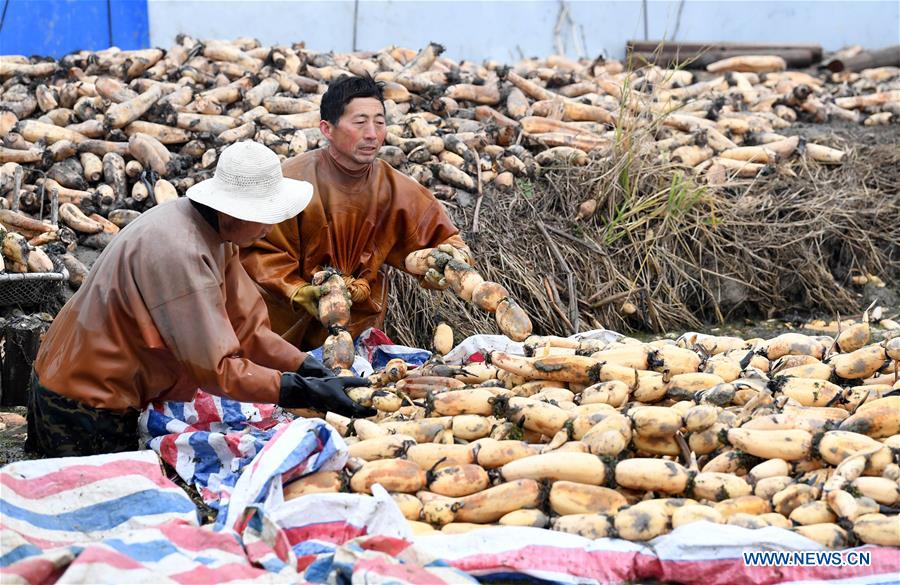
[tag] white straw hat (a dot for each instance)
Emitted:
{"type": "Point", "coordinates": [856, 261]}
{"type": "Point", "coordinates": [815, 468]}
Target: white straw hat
{"type": "Point", "coordinates": [249, 185]}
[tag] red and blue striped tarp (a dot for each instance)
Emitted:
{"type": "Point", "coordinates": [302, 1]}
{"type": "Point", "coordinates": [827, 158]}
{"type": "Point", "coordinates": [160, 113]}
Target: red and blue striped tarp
{"type": "Point", "coordinates": [702, 552]}
{"type": "Point", "coordinates": [118, 518]}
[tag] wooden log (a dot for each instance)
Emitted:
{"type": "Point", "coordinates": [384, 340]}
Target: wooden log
{"type": "Point", "coordinates": [738, 48]}
{"type": "Point", "coordinates": [887, 57]}
{"type": "Point", "coordinates": [699, 55]}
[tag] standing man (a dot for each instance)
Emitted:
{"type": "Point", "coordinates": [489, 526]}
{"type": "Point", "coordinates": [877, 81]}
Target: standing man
{"type": "Point", "coordinates": [167, 309]}
{"type": "Point", "coordinates": [363, 215]}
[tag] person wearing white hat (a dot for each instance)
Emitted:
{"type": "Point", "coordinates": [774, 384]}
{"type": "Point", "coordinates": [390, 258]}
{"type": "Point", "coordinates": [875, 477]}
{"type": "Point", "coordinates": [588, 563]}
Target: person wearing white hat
{"type": "Point", "coordinates": [167, 308]}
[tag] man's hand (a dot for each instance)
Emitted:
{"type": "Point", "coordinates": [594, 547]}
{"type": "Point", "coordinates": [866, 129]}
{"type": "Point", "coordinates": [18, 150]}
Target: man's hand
{"type": "Point", "coordinates": [313, 368]}
{"type": "Point", "coordinates": [323, 394]}
{"type": "Point", "coordinates": [462, 254]}
{"type": "Point", "coordinates": [307, 298]}
{"type": "Point", "coordinates": [434, 280]}
{"type": "Point", "coordinates": [358, 288]}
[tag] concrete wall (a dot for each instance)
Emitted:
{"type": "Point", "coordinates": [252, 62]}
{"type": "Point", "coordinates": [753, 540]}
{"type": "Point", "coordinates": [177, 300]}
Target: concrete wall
{"type": "Point", "coordinates": [508, 30]}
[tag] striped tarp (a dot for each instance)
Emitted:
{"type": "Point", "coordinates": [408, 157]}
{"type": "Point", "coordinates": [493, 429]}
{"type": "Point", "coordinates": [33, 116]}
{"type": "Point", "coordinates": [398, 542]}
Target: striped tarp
{"type": "Point", "coordinates": [702, 552]}
{"type": "Point", "coordinates": [210, 440]}
{"type": "Point", "coordinates": [117, 518]}
{"type": "Point", "coordinates": [118, 513]}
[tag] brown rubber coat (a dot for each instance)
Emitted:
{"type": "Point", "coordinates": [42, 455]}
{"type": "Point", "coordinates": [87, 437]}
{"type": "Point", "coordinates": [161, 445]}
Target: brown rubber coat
{"type": "Point", "coordinates": [166, 309]}
{"type": "Point", "coordinates": [357, 222]}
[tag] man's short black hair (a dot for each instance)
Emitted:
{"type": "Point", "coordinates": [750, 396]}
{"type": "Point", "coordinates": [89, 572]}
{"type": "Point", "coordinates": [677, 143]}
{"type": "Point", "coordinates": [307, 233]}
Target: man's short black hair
{"type": "Point", "coordinates": [344, 89]}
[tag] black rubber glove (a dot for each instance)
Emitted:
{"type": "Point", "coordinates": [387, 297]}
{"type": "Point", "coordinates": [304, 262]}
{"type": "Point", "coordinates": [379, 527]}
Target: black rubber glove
{"type": "Point", "coordinates": [325, 394]}
{"type": "Point", "coordinates": [313, 368]}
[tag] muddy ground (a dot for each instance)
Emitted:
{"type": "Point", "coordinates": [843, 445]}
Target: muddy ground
{"type": "Point", "coordinates": [12, 435]}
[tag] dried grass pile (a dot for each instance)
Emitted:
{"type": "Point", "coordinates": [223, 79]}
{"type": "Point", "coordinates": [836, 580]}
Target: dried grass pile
{"type": "Point", "coordinates": [665, 253]}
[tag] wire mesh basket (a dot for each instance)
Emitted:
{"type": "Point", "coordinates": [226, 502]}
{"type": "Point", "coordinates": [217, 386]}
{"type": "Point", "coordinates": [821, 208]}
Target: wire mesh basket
{"type": "Point", "coordinates": [32, 288]}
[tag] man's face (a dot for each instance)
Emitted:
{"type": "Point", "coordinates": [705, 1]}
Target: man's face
{"type": "Point", "coordinates": [240, 232]}
{"type": "Point", "coordinates": [359, 133]}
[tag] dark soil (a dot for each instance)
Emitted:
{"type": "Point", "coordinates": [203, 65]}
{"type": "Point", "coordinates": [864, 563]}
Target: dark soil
{"type": "Point", "coordinates": [12, 435]}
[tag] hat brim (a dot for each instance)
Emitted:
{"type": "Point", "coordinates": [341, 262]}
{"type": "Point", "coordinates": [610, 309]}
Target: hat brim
{"type": "Point", "coordinates": [289, 198]}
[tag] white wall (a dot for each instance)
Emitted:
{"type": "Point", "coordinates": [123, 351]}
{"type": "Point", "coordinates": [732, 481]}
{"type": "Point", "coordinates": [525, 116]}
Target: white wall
{"type": "Point", "coordinates": [506, 30]}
